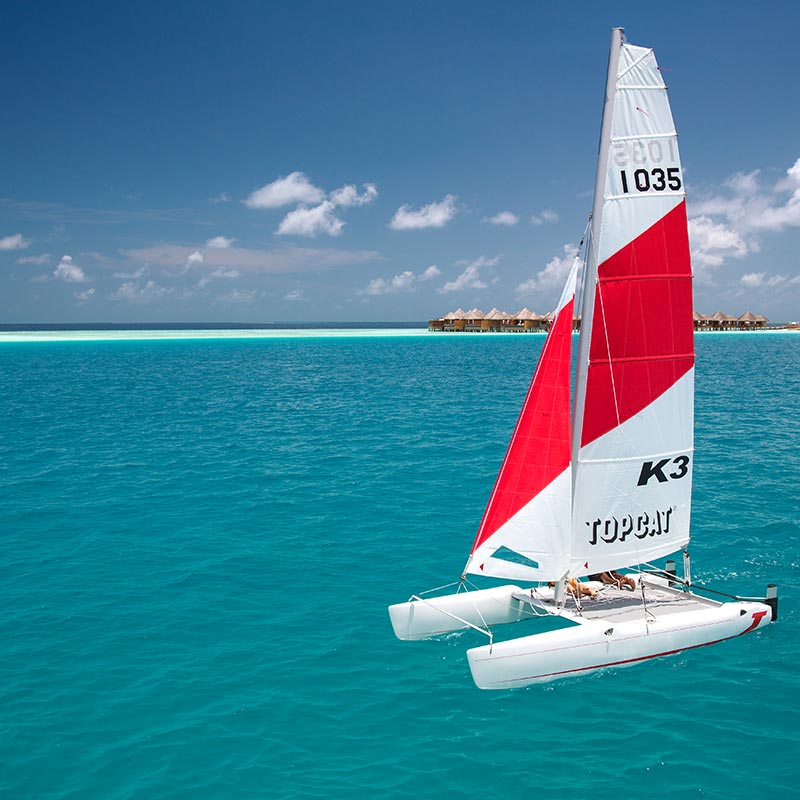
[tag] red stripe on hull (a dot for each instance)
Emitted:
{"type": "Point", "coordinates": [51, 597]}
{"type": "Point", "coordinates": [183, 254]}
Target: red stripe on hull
{"type": "Point", "coordinates": [619, 663]}
{"type": "Point", "coordinates": [623, 662]}
{"type": "Point", "coordinates": [642, 329]}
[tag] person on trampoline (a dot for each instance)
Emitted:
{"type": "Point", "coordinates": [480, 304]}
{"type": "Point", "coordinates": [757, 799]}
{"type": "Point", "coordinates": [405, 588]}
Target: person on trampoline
{"type": "Point", "coordinates": [612, 578]}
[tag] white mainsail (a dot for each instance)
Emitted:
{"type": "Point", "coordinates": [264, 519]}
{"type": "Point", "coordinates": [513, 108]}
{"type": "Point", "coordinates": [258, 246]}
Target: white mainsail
{"type": "Point", "coordinates": [633, 423]}
{"type": "Point", "coordinates": [623, 496]}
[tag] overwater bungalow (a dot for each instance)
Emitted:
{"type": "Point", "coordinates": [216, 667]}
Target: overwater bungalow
{"type": "Point", "coordinates": [526, 321]}
{"type": "Point", "coordinates": [750, 321]}
{"type": "Point", "coordinates": [530, 320]}
{"type": "Point", "coordinates": [455, 320]}
{"type": "Point", "coordinates": [474, 320]}
{"type": "Point", "coordinates": [493, 320]}
{"type": "Point", "coordinates": [516, 322]}
{"type": "Point", "coordinates": [720, 321]}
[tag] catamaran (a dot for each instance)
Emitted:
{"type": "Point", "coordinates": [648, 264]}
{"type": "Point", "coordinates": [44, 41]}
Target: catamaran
{"type": "Point", "coordinates": [601, 481]}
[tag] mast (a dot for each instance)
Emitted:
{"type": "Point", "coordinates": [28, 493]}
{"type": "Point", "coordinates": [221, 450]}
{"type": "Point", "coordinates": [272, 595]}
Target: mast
{"type": "Point", "coordinates": [632, 440]}
{"type": "Point", "coordinates": [590, 271]}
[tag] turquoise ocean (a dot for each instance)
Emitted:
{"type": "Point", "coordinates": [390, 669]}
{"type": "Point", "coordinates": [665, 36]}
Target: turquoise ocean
{"type": "Point", "coordinates": [200, 537]}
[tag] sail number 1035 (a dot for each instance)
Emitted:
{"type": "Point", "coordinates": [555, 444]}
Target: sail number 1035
{"type": "Point", "coordinates": [643, 180]}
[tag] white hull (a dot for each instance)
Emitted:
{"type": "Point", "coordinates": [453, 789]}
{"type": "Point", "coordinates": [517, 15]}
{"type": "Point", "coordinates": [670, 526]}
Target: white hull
{"type": "Point", "coordinates": [424, 618]}
{"type": "Point", "coordinates": [599, 644]}
{"type": "Point", "coordinates": [600, 478]}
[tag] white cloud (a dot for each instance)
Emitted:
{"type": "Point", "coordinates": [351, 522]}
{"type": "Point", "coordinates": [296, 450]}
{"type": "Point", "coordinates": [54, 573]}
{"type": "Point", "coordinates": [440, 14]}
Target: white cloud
{"type": "Point", "coordinates": [221, 272]}
{"type": "Point", "coordinates": [481, 261]}
{"type": "Point", "coordinates": [14, 242]}
{"type": "Point", "coordinates": [45, 258]}
{"type": "Point", "coordinates": [399, 283]}
{"type": "Point", "coordinates": [348, 195]}
{"type": "Point", "coordinates": [68, 270]}
{"type": "Point", "coordinates": [219, 242]}
{"type": "Point", "coordinates": [195, 257]}
{"type": "Point", "coordinates": [139, 273]}
{"type": "Point", "coordinates": [503, 218]}
{"type": "Point", "coordinates": [431, 272]}
{"type": "Point", "coordinates": [294, 295]}
{"type": "Point", "coordinates": [294, 188]}
{"type": "Point", "coordinates": [470, 278]}
{"type": "Point", "coordinates": [753, 279]}
{"type": "Point", "coordinates": [791, 183]}
{"type": "Point", "coordinates": [314, 214]}
{"type": "Point", "coordinates": [747, 208]}
{"type": "Point", "coordinates": [223, 197]}
{"type": "Point", "coordinates": [83, 296]}
{"type": "Point", "coordinates": [434, 215]}
{"type": "Point", "coordinates": [226, 273]}
{"type": "Point", "coordinates": [753, 207]}
{"type": "Point", "coordinates": [758, 279]}
{"type": "Point", "coordinates": [553, 275]}
{"type": "Point", "coordinates": [136, 293]}
{"type": "Point", "coordinates": [711, 243]}
{"type": "Point", "coordinates": [548, 215]}
{"type": "Point", "coordinates": [743, 182]}
{"type": "Point", "coordinates": [304, 221]}
{"type": "Point", "coordinates": [405, 281]}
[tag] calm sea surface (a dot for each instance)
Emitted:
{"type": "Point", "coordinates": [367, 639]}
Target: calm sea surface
{"type": "Point", "coordinates": [200, 539]}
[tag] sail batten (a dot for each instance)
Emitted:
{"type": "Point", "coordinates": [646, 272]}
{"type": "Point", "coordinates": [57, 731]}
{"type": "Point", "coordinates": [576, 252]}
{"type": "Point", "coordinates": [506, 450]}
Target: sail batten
{"type": "Point", "coordinates": [666, 276]}
{"type": "Point", "coordinates": [634, 359]}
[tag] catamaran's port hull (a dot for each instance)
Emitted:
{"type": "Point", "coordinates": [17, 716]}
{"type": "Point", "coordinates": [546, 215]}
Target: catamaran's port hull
{"type": "Point", "coordinates": [425, 618]}
{"type": "Point", "coordinates": [599, 644]}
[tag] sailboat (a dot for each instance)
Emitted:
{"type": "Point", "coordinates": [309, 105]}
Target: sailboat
{"type": "Point", "coordinates": [600, 480]}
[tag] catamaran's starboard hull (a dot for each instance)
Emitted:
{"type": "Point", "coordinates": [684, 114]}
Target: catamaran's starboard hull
{"type": "Point", "coordinates": [425, 618]}
{"type": "Point", "coordinates": [601, 644]}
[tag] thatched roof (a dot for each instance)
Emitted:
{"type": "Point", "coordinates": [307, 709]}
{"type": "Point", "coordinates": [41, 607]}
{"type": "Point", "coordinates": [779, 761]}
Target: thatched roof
{"type": "Point", "coordinates": [459, 313]}
{"type": "Point", "coordinates": [496, 313]}
{"type": "Point", "coordinates": [748, 316]}
{"type": "Point", "coordinates": [474, 313]}
{"type": "Point", "coordinates": [526, 313]}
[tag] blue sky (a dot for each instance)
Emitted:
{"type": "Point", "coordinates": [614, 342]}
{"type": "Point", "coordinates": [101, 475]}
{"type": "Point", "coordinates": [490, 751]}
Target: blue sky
{"type": "Point", "coordinates": [369, 161]}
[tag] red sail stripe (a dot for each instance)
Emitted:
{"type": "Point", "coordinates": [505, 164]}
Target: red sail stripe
{"type": "Point", "coordinates": [539, 449]}
{"type": "Point", "coordinates": [642, 329]}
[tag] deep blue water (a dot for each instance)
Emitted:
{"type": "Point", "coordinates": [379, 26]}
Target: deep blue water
{"type": "Point", "coordinates": [200, 539]}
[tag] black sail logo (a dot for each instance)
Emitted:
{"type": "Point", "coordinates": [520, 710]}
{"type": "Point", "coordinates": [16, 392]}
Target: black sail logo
{"type": "Point", "coordinates": [640, 526]}
{"type": "Point", "coordinates": [660, 471]}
